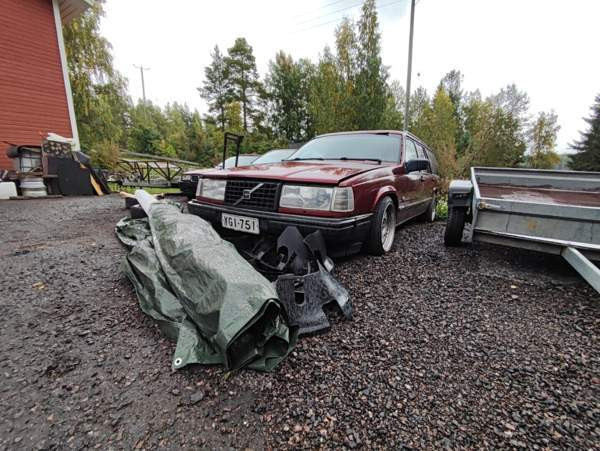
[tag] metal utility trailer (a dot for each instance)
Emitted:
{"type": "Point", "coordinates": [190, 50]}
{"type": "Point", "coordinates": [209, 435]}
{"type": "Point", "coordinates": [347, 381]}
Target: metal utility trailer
{"type": "Point", "coordinates": [557, 212]}
{"type": "Point", "coordinates": [151, 171]}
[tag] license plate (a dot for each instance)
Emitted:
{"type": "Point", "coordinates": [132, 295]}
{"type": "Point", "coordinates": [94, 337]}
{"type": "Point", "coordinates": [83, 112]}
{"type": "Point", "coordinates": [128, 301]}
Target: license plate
{"type": "Point", "coordinates": [240, 223]}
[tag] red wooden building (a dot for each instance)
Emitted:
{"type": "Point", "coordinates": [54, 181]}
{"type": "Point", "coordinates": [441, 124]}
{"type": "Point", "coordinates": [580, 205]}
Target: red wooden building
{"type": "Point", "coordinates": [35, 92]}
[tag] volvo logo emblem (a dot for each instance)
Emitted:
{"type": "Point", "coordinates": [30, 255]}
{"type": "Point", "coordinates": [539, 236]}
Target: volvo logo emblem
{"type": "Point", "coordinates": [247, 193]}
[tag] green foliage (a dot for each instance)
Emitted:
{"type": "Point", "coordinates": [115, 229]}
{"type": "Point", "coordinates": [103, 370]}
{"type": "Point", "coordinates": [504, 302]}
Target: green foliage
{"type": "Point", "coordinates": [105, 154]}
{"type": "Point", "coordinates": [419, 102]}
{"type": "Point", "coordinates": [371, 91]}
{"type": "Point", "coordinates": [174, 132]}
{"type": "Point", "coordinates": [441, 209]}
{"type": "Point", "coordinates": [494, 131]}
{"type": "Point", "coordinates": [242, 78]}
{"type": "Point", "coordinates": [437, 126]}
{"type": "Point", "coordinates": [542, 138]}
{"type": "Point", "coordinates": [346, 89]}
{"type": "Point", "coordinates": [216, 89]}
{"type": "Point", "coordinates": [99, 92]}
{"type": "Point", "coordinates": [327, 98]}
{"type": "Point", "coordinates": [288, 93]}
{"type": "Point", "coordinates": [587, 157]}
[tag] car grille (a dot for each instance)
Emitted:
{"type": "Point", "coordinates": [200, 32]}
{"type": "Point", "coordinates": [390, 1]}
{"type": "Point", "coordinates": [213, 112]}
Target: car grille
{"type": "Point", "coordinates": [262, 198]}
{"type": "Point", "coordinates": [195, 178]}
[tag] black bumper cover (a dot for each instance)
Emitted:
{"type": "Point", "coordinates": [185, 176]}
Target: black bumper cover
{"type": "Point", "coordinates": [188, 188]}
{"type": "Point", "coordinates": [343, 235]}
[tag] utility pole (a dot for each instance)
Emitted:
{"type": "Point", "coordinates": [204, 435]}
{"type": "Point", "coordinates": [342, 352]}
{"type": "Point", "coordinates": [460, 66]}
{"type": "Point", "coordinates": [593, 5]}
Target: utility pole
{"type": "Point", "coordinates": [142, 69]}
{"type": "Point", "coordinates": [410, 48]}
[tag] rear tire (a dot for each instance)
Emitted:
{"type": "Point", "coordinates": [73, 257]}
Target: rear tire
{"type": "Point", "coordinates": [454, 226]}
{"type": "Point", "coordinates": [429, 214]}
{"type": "Point", "coordinates": [383, 227]}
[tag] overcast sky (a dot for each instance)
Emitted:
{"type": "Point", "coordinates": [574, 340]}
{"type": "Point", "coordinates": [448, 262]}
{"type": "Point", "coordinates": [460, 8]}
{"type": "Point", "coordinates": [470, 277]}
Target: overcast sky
{"type": "Point", "coordinates": [548, 48]}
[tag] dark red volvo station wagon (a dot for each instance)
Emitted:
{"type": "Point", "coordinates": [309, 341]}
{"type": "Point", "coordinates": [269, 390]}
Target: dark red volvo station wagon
{"type": "Point", "coordinates": [355, 187]}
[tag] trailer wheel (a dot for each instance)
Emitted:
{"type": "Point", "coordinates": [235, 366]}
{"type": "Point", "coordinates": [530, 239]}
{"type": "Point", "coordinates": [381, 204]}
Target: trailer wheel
{"type": "Point", "coordinates": [130, 202]}
{"type": "Point", "coordinates": [137, 212]}
{"type": "Point", "coordinates": [454, 226]}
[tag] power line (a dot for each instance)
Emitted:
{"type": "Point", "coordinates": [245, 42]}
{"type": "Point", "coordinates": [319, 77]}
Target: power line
{"type": "Point", "coordinates": [332, 12]}
{"type": "Point", "coordinates": [319, 9]}
{"type": "Point", "coordinates": [339, 19]}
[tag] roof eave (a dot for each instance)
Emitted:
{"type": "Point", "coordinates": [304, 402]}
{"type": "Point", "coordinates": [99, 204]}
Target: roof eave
{"type": "Point", "coordinates": [71, 9]}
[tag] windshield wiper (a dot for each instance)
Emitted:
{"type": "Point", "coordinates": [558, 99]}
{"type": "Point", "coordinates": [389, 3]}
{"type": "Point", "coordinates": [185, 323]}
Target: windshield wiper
{"type": "Point", "coordinates": [377, 160]}
{"type": "Point", "coordinates": [303, 159]}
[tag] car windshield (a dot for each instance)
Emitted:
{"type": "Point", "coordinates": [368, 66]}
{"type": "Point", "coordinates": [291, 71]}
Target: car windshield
{"type": "Point", "coordinates": [367, 146]}
{"type": "Point", "coordinates": [244, 160]}
{"type": "Point", "coordinates": [274, 156]}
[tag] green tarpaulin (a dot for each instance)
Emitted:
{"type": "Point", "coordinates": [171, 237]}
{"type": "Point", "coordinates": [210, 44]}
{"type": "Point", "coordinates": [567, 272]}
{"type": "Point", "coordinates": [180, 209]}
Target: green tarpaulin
{"type": "Point", "coordinates": [202, 293]}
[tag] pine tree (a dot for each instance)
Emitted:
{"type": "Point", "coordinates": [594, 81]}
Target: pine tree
{"type": "Point", "coordinates": [243, 77]}
{"type": "Point", "coordinates": [288, 89]}
{"type": "Point", "coordinates": [587, 157]}
{"type": "Point", "coordinates": [371, 82]}
{"type": "Point", "coordinates": [216, 89]}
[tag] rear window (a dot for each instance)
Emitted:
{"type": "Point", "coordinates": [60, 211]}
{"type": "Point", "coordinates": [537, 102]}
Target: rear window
{"type": "Point", "coordinates": [353, 146]}
{"type": "Point", "coordinates": [433, 161]}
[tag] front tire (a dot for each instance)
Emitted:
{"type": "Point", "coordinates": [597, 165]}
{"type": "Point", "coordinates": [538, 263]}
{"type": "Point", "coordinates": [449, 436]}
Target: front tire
{"type": "Point", "coordinates": [383, 227]}
{"type": "Point", "coordinates": [454, 226]}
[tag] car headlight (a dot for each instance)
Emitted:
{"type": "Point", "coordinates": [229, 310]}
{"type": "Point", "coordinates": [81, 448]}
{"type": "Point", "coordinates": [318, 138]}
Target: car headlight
{"type": "Point", "coordinates": [186, 178]}
{"type": "Point", "coordinates": [211, 189]}
{"type": "Point", "coordinates": [317, 198]}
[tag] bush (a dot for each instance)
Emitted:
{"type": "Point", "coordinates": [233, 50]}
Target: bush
{"type": "Point", "coordinates": [441, 209]}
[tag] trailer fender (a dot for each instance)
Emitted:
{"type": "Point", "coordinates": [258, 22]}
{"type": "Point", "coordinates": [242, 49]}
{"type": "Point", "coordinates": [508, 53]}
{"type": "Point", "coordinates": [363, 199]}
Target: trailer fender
{"type": "Point", "coordinates": [460, 193]}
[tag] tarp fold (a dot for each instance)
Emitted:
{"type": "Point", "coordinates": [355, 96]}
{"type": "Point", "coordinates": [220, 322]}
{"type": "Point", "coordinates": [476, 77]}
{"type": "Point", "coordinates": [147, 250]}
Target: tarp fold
{"type": "Point", "coordinates": [202, 293]}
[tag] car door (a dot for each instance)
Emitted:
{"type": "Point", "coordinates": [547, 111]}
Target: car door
{"type": "Point", "coordinates": [409, 186]}
{"type": "Point", "coordinates": [428, 178]}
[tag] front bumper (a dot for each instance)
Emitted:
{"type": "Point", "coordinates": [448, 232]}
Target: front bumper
{"type": "Point", "coordinates": [344, 235]}
{"type": "Point", "coordinates": [188, 188]}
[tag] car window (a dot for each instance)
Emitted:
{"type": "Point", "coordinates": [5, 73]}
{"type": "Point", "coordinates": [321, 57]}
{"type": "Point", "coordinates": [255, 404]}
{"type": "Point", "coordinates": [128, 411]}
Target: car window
{"type": "Point", "coordinates": [366, 146]}
{"type": "Point", "coordinates": [410, 151]}
{"type": "Point", "coordinates": [422, 152]}
{"type": "Point", "coordinates": [432, 161]}
{"type": "Point", "coordinates": [274, 156]}
{"type": "Point", "coordinates": [244, 160]}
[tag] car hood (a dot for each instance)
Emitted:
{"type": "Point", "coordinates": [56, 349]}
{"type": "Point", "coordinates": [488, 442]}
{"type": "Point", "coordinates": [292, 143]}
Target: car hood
{"type": "Point", "coordinates": [326, 172]}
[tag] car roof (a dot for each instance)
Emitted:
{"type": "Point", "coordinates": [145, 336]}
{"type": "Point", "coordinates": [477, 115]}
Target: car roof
{"type": "Point", "coordinates": [377, 132]}
{"type": "Point", "coordinates": [362, 132]}
{"type": "Point", "coordinates": [279, 150]}
{"type": "Point", "coordinates": [245, 155]}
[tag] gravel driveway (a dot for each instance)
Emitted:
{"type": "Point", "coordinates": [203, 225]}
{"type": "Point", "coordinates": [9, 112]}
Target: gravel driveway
{"type": "Point", "coordinates": [470, 347]}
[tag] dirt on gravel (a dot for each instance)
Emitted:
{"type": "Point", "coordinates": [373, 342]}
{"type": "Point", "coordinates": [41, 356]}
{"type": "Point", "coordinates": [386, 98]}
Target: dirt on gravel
{"type": "Point", "coordinates": [476, 346]}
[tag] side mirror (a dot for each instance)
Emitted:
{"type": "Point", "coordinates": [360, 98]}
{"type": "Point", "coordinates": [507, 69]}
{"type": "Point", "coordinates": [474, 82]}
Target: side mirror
{"type": "Point", "coordinates": [420, 164]}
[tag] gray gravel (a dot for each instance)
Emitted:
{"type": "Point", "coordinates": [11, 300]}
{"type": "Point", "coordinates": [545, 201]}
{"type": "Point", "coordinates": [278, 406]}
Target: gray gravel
{"type": "Point", "coordinates": [471, 347]}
